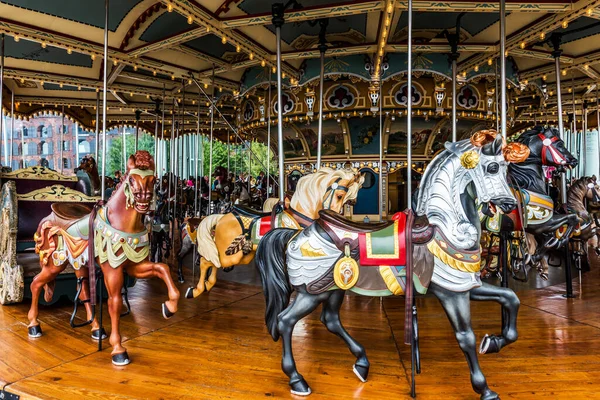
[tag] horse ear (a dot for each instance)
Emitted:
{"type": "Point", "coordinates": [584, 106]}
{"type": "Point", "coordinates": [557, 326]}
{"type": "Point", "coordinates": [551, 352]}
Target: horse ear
{"type": "Point", "coordinates": [494, 148]}
{"type": "Point", "coordinates": [130, 163]}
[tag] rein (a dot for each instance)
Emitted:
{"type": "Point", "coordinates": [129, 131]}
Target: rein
{"type": "Point", "coordinates": [91, 256]}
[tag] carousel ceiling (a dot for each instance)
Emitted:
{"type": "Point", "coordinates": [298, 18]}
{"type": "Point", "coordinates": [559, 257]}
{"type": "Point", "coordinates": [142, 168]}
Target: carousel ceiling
{"type": "Point", "coordinates": [54, 59]}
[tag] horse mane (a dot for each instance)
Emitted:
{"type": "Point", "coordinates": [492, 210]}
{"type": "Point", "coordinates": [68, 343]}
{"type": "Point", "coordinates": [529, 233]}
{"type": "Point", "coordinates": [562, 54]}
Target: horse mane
{"type": "Point", "coordinates": [575, 196]}
{"type": "Point", "coordinates": [311, 188]}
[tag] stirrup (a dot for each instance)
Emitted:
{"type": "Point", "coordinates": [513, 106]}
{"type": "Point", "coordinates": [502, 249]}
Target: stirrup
{"type": "Point", "coordinates": [76, 305]}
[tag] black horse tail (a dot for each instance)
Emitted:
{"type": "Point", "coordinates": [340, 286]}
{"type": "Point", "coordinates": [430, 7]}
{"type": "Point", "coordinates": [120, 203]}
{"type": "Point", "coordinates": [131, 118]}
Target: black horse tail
{"type": "Point", "coordinates": [270, 260]}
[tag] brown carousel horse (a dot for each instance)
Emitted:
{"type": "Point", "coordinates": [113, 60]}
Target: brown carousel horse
{"type": "Point", "coordinates": [89, 166]}
{"type": "Point", "coordinates": [227, 240]}
{"type": "Point", "coordinates": [114, 236]}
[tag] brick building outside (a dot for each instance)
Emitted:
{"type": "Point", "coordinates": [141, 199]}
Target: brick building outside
{"type": "Point", "coordinates": [38, 142]}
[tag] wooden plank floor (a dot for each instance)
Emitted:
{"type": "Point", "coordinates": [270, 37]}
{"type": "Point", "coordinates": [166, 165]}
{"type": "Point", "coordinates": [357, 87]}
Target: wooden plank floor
{"type": "Point", "coordinates": [216, 347]}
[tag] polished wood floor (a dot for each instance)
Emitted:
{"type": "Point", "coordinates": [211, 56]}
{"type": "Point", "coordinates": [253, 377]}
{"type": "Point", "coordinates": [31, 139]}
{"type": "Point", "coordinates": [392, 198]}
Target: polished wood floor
{"type": "Point", "coordinates": [216, 347]}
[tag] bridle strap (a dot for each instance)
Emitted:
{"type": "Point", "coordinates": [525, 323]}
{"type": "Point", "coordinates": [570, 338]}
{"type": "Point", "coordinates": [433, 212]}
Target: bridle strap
{"type": "Point", "coordinates": [548, 147]}
{"type": "Point", "coordinates": [329, 193]}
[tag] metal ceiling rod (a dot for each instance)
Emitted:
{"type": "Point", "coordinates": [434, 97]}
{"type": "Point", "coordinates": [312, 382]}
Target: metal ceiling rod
{"type": "Point", "coordinates": [104, 77]}
{"type": "Point", "coordinates": [453, 41]}
{"type": "Point", "coordinates": [503, 68]}
{"type": "Point", "coordinates": [322, 48]}
{"type": "Point", "coordinates": [2, 138]}
{"type": "Point", "coordinates": [210, 153]}
{"type": "Point", "coordinates": [278, 21]}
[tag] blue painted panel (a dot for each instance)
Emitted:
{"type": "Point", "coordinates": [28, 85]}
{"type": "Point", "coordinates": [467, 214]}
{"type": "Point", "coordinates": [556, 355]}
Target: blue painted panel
{"type": "Point", "coordinates": [364, 135]}
{"type": "Point", "coordinates": [211, 44]}
{"type": "Point", "coordinates": [168, 24]}
{"type": "Point", "coordinates": [90, 12]}
{"type": "Point", "coordinates": [262, 6]}
{"type": "Point", "coordinates": [367, 200]}
{"type": "Point", "coordinates": [27, 50]}
{"type": "Point", "coordinates": [290, 32]}
{"type": "Point", "coordinates": [471, 22]}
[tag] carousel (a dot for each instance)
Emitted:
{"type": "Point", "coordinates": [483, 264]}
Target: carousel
{"type": "Point", "coordinates": [407, 166]}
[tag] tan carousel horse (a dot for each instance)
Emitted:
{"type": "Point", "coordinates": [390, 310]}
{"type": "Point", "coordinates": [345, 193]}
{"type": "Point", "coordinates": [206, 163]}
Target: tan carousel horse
{"type": "Point", "coordinates": [114, 236]}
{"type": "Point", "coordinates": [227, 240]}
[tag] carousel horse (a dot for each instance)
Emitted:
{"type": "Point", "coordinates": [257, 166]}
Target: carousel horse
{"type": "Point", "coordinates": [439, 253]}
{"type": "Point", "coordinates": [535, 212]}
{"type": "Point", "coordinates": [111, 235]}
{"type": "Point", "coordinates": [227, 240]}
{"type": "Point", "coordinates": [88, 166]}
{"type": "Point", "coordinates": [582, 191]}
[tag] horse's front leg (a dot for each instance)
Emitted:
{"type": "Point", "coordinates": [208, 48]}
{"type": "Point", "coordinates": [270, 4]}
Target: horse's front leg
{"type": "Point", "coordinates": [330, 317]}
{"type": "Point", "coordinates": [148, 269]}
{"type": "Point", "coordinates": [46, 276]}
{"type": "Point", "coordinates": [458, 309]}
{"type": "Point", "coordinates": [113, 279]}
{"type": "Point", "coordinates": [510, 303]}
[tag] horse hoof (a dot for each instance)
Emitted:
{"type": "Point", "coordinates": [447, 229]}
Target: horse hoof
{"type": "Point", "coordinates": [489, 344]}
{"type": "Point", "coordinates": [120, 359]}
{"type": "Point", "coordinates": [361, 372]}
{"type": "Point", "coordinates": [96, 334]}
{"type": "Point", "coordinates": [300, 388]}
{"type": "Point", "coordinates": [166, 312]}
{"type": "Point", "coordinates": [489, 395]}
{"type": "Point", "coordinates": [34, 331]}
{"type": "Point", "coordinates": [189, 294]}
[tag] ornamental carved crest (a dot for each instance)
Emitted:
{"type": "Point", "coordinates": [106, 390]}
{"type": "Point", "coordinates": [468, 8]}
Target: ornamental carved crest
{"type": "Point", "coordinates": [401, 95]}
{"type": "Point", "coordinates": [467, 97]}
{"type": "Point", "coordinates": [341, 97]}
{"type": "Point", "coordinates": [287, 103]}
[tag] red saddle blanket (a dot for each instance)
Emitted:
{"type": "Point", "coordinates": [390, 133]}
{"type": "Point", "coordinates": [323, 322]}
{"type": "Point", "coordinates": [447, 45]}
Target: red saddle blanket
{"type": "Point", "coordinates": [386, 246]}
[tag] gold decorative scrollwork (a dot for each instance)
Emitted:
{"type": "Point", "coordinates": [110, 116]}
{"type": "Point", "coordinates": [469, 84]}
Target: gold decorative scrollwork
{"type": "Point", "coordinates": [57, 193]}
{"type": "Point", "coordinates": [38, 173]}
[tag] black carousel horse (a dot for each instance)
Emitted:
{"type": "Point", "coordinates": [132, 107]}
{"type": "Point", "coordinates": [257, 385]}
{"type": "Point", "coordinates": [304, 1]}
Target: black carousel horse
{"type": "Point", "coordinates": [535, 214]}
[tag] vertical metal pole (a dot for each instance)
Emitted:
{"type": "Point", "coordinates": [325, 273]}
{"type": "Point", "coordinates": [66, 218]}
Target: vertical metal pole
{"type": "Point", "coordinates": [454, 72]}
{"type": "Point", "coordinates": [278, 21]}
{"type": "Point", "coordinates": [76, 143]}
{"type": "Point", "coordinates": [137, 128]}
{"type": "Point", "coordinates": [212, 127]}
{"type": "Point", "coordinates": [124, 150]}
{"type": "Point", "coordinates": [12, 125]}
{"type": "Point", "coordinates": [197, 161]}
{"type": "Point", "coordinates": [497, 94]}
{"type": "Point", "coordinates": [171, 158]}
{"type": "Point", "coordinates": [163, 152]}
{"type": "Point", "coordinates": [584, 129]}
{"type": "Point", "coordinates": [322, 109]}
{"type": "Point", "coordinates": [228, 153]}
{"type": "Point", "coordinates": [381, 132]}
{"type": "Point", "coordinates": [503, 67]}
{"type": "Point", "coordinates": [96, 145]}
{"type": "Point", "coordinates": [269, 136]}
{"type": "Point", "coordinates": [2, 138]}
{"type": "Point", "coordinates": [598, 128]}
{"type": "Point", "coordinates": [104, 73]}
{"type": "Point", "coordinates": [574, 131]}
{"type": "Point", "coordinates": [156, 141]}
{"type": "Point", "coordinates": [409, 110]}
{"type": "Point", "coordinates": [62, 140]}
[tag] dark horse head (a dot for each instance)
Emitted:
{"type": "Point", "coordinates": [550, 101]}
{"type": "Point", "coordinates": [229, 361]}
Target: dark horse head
{"type": "Point", "coordinates": [547, 148]}
{"type": "Point", "coordinates": [220, 173]}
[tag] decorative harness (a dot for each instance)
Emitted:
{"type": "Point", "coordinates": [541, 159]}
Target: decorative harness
{"type": "Point", "coordinates": [548, 147]}
{"type": "Point", "coordinates": [327, 199]}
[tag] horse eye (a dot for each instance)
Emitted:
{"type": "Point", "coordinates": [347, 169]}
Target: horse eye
{"type": "Point", "coordinates": [493, 168]}
{"type": "Point", "coordinates": [339, 197]}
